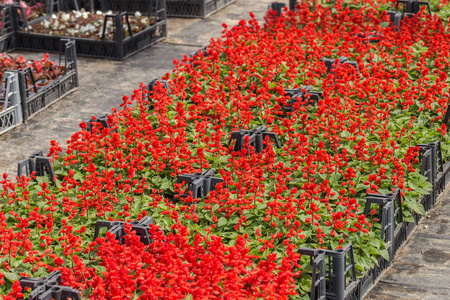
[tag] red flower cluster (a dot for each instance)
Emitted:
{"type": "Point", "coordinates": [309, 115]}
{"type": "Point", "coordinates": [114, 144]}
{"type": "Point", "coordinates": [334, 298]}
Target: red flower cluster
{"type": "Point", "coordinates": [240, 241]}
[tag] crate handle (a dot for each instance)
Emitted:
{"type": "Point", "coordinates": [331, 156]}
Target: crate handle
{"type": "Point", "coordinates": [20, 13]}
{"type": "Point", "coordinates": [409, 3]}
{"type": "Point", "coordinates": [5, 11]}
{"type": "Point", "coordinates": [447, 117]}
{"type": "Point", "coordinates": [115, 21]}
{"type": "Point", "coordinates": [127, 14]}
{"type": "Point", "coordinates": [27, 72]}
{"type": "Point", "coordinates": [67, 47]}
{"type": "Point", "coordinates": [104, 24]}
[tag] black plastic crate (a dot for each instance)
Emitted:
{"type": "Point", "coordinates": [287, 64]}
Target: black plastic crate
{"type": "Point", "coordinates": [194, 8]}
{"type": "Point", "coordinates": [11, 112]}
{"type": "Point", "coordinates": [7, 29]}
{"type": "Point", "coordinates": [276, 6]}
{"type": "Point", "coordinates": [38, 164]}
{"type": "Point", "coordinates": [318, 274]}
{"type": "Point", "coordinates": [412, 6]}
{"type": "Point", "coordinates": [49, 7]}
{"type": "Point", "coordinates": [126, 5]}
{"type": "Point", "coordinates": [443, 178]}
{"type": "Point", "coordinates": [142, 6]}
{"type": "Point", "coordinates": [48, 288]}
{"type": "Point", "coordinates": [340, 263]}
{"type": "Point", "coordinates": [35, 99]}
{"type": "Point", "coordinates": [119, 48]}
{"type": "Point", "coordinates": [427, 170]}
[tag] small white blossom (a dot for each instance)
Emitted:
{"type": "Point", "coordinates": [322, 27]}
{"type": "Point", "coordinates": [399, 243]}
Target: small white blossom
{"type": "Point", "coordinates": [65, 17]}
{"type": "Point", "coordinates": [137, 14]}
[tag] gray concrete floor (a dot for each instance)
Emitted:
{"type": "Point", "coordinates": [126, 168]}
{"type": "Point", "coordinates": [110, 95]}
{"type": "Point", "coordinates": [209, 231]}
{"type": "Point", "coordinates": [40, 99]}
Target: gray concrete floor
{"type": "Point", "coordinates": [421, 269]}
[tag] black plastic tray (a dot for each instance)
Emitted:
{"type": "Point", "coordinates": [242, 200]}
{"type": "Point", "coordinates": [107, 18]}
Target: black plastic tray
{"type": "Point", "coordinates": [36, 99]}
{"type": "Point", "coordinates": [118, 49]}
{"type": "Point", "coordinates": [7, 29]}
{"type": "Point", "coordinates": [402, 231]}
{"type": "Point", "coordinates": [194, 8]}
{"type": "Point", "coordinates": [11, 113]}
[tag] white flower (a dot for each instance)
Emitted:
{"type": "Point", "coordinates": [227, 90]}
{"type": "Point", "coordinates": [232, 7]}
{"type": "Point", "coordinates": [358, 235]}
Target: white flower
{"type": "Point", "coordinates": [65, 17]}
{"type": "Point", "coordinates": [109, 12]}
{"type": "Point", "coordinates": [77, 14]}
{"type": "Point", "coordinates": [54, 16]}
{"type": "Point", "coordinates": [46, 24]}
{"type": "Point", "coordinates": [85, 15]}
{"type": "Point", "coordinates": [90, 28]}
{"type": "Point", "coordinates": [137, 14]}
{"type": "Point", "coordinates": [99, 12]}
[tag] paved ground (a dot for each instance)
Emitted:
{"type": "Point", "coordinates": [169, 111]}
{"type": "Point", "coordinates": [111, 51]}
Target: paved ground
{"type": "Point", "coordinates": [422, 267]}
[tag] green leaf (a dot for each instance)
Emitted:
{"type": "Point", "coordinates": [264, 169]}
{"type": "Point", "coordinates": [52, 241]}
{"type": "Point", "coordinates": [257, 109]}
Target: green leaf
{"type": "Point", "coordinates": [11, 276]}
{"type": "Point", "coordinates": [78, 176]}
{"type": "Point", "coordinates": [100, 268]}
{"type": "Point", "coordinates": [272, 85]}
{"type": "Point", "coordinates": [416, 207]}
{"type": "Point", "coordinates": [361, 268]}
{"type": "Point", "coordinates": [385, 254]}
{"type": "Point", "coordinates": [306, 284]}
{"type": "Point", "coordinates": [374, 260]}
{"type": "Point", "coordinates": [334, 244]}
{"type": "Point", "coordinates": [261, 206]}
{"type": "Point", "coordinates": [103, 230]}
{"type": "Point", "coordinates": [375, 243]}
{"type": "Point", "coordinates": [222, 222]}
{"type": "Point", "coordinates": [164, 186]}
{"type": "Point", "coordinates": [413, 185]}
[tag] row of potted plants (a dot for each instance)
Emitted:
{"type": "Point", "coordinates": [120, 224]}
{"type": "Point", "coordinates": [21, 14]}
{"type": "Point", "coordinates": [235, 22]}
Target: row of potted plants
{"type": "Point", "coordinates": [242, 239]}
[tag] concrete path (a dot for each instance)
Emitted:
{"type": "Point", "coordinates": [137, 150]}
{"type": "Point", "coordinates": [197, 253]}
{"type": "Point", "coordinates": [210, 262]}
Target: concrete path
{"type": "Point", "coordinates": [421, 269]}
